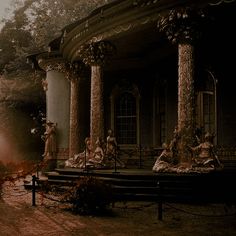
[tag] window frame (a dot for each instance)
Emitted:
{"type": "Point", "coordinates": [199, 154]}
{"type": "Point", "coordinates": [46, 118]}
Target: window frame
{"type": "Point", "coordinates": [117, 92]}
{"type": "Point", "coordinates": [200, 103]}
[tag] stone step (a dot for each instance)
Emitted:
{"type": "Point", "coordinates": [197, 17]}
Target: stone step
{"type": "Point", "coordinates": [113, 181]}
{"type": "Point", "coordinates": [140, 184]}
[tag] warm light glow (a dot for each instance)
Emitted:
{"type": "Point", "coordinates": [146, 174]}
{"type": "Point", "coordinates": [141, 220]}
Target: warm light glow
{"type": "Point", "coordinates": [8, 152]}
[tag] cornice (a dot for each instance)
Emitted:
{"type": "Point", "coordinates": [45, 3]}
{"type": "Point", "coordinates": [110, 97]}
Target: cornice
{"type": "Point", "coordinates": [112, 21]}
{"type": "Point", "coordinates": [49, 61]}
{"type": "Point", "coordinates": [120, 17]}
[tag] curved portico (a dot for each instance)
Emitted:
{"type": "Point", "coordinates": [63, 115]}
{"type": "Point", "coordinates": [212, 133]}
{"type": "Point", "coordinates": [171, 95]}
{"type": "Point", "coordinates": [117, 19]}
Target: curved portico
{"type": "Point", "coordinates": [135, 30]}
{"type": "Point", "coordinates": [172, 90]}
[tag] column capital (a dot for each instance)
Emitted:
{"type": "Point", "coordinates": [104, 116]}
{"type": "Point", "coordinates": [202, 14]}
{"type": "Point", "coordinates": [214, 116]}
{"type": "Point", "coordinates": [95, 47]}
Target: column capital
{"type": "Point", "coordinates": [77, 70]}
{"type": "Point", "coordinates": [56, 64]}
{"type": "Point", "coordinates": [97, 53]}
{"type": "Point", "coordinates": [182, 25]}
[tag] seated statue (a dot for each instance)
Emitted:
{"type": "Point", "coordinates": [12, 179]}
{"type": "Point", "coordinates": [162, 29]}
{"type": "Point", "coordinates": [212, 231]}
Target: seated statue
{"type": "Point", "coordinates": [102, 156]}
{"type": "Point", "coordinates": [204, 153]}
{"type": "Point", "coordinates": [78, 160]}
{"type": "Point", "coordinates": [165, 160]}
{"type": "Point", "coordinates": [97, 159]}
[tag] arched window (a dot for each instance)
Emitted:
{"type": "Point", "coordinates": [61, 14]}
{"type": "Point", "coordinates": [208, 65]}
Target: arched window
{"type": "Point", "coordinates": [126, 118]}
{"type": "Point", "coordinates": [125, 114]}
{"type": "Point", "coordinates": [207, 112]}
{"type": "Point", "coordinates": [206, 104]}
{"type": "Point", "coordinates": [159, 113]}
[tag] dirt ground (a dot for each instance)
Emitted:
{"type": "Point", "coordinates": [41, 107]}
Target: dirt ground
{"type": "Point", "coordinates": [50, 218]}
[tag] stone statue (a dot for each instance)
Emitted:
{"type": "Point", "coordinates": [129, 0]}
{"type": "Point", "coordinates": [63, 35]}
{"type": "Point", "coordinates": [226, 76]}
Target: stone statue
{"type": "Point", "coordinates": [174, 145]}
{"type": "Point", "coordinates": [165, 160]}
{"type": "Point", "coordinates": [45, 85]}
{"type": "Point", "coordinates": [78, 160]}
{"type": "Point", "coordinates": [49, 137]}
{"type": "Point", "coordinates": [112, 149]}
{"type": "Point", "coordinates": [97, 159]}
{"type": "Point", "coordinates": [204, 153]}
{"type": "Point", "coordinates": [111, 144]}
{"type": "Point", "coordinates": [204, 158]}
{"type": "Point", "coordinates": [100, 158]}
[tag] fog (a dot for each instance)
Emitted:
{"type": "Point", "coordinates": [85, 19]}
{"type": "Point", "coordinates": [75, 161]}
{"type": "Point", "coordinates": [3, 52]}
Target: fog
{"type": "Point", "coordinates": [16, 141]}
{"type": "Point", "coordinates": [8, 150]}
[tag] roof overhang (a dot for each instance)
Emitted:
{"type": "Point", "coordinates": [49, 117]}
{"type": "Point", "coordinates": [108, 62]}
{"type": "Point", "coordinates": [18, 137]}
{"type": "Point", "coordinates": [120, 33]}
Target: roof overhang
{"type": "Point", "coordinates": [118, 19]}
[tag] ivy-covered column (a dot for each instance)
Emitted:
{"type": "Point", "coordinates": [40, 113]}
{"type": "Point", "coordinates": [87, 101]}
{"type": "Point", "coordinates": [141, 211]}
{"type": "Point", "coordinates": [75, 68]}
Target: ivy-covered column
{"type": "Point", "coordinates": [186, 102]}
{"type": "Point", "coordinates": [77, 72]}
{"type": "Point", "coordinates": [182, 27]}
{"type": "Point", "coordinates": [95, 55]}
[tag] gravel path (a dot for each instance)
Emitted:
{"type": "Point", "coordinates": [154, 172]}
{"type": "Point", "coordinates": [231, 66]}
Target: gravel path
{"type": "Point", "coordinates": [50, 218]}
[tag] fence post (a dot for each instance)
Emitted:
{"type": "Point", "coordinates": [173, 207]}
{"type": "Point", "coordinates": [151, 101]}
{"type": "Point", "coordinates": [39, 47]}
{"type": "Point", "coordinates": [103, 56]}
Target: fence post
{"type": "Point", "coordinates": [159, 186]}
{"type": "Point", "coordinates": [115, 160]}
{"type": "Point", "coordinates": [37, 171]}
{"type": "Point", "coordinates": [140, 156]}
{"type": "Point", "coordinates": [85, 158]}
{"type": "Point", "coordinates": [33, 190]}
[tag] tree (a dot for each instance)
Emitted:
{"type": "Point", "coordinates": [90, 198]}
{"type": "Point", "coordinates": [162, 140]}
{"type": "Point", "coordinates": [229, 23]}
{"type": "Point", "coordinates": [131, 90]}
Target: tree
{"type": "Point", "coordinates": [33, 24]}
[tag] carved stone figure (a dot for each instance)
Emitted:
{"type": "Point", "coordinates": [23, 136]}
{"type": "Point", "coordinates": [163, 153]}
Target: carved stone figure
{"type": "Point", "coordinates": [204, 153]}
{"type": "Point", "coordinates": [165, 160]}
{"type": "Point", "coordinates": [111, 145]}
{"type": "Point", "coordinates": [82, 159]}
{"type": "Point", "coordinates": [112, 149]}
{"type": "Point", "coordinates": [174, 145]}
{"type": "Point", "coordinates": [97, 159]}
{"type": "Point", "coordinates": [50, 141]}
{"type": "Point", "coordinates": [45, 85]}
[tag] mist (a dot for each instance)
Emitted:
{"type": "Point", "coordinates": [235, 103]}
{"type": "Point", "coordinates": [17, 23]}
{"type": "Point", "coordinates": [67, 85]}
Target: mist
{"type": "Point", "coordinates": [17, 143]}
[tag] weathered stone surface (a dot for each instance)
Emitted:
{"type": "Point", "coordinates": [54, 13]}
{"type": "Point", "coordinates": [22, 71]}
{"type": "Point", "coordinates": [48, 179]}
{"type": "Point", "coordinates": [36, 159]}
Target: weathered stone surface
{"type": "Point", "coordinates": [186, 100]}
{"type": "Point", "coordinates": [96, 110]}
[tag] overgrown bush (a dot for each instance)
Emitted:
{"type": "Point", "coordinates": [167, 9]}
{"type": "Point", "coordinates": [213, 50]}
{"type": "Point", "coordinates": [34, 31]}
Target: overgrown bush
{"type": "Point", "coordinates": [91, 196]}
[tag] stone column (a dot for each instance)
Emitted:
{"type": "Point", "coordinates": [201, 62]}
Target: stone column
{"type": "Point", "coordinates": [182, 26]}
{"type": "Point", "coordinates": [57, 91]}
{"type": "Point", "coordinates": [95, 55]}
{"type": "Point", "coordinates": [186, 101]}
{"type": "Point", "coordinates": [74, 122]}
{"type": "Point", "coordinates": [96, 105]}
{"type": "Point", "coordinates": [77, 72]}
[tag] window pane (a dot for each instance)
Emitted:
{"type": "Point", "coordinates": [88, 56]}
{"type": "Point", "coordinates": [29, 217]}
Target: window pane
{"type": "Point", "coordinates": [126, 122]}
{"type": "Point", "coordinates": [208, 112]}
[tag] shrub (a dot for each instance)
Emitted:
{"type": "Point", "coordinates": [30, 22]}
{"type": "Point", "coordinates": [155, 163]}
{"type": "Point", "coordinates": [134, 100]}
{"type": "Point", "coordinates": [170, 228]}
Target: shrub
{"type": "Point", "coordinates": [91, 196]}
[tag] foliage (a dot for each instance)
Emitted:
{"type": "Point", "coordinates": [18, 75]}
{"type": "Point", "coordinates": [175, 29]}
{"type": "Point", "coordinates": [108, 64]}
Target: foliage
{"type": "Point", "coordinates": [45, 14]}
{"type": "Point", "coordinates": [15, 39]}
{"type": "Point", "coordinates": [33, 25]}
{"type": "Point", "coordinates": [90, 196]}
{"type": "Point", "coordinates": [97, 52]}
{"type": "Point", "coordinates": [182, 24]}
